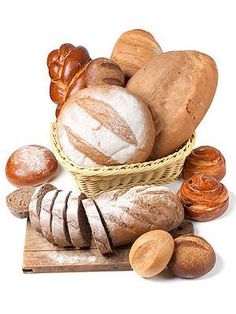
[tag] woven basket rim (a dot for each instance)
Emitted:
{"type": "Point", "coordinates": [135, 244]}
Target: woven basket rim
{"type": "Point", "coordinates": [118, 169]}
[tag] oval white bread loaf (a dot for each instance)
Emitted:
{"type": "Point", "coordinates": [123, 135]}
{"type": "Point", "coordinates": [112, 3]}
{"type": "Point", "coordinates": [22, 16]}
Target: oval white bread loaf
{"type": "Point", "coordinates": [105, 125]}
{"type": "Point", "coordinates": [131, 212]}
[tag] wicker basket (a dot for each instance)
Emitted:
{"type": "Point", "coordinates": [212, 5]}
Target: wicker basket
{"type": "Point", "coordinates": [93, 180]}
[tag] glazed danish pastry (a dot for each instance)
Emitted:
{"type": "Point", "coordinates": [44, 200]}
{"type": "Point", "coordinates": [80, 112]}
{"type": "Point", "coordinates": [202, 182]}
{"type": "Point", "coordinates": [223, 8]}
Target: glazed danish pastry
{"type": "Point", "coordinates": [205, 160]}
{"type": "Point", "coordinates": [203, 197]}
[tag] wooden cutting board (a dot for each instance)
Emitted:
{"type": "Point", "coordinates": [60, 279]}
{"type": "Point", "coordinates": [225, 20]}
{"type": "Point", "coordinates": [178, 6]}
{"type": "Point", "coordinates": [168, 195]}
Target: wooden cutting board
{"type": "Point", "coordinates": [40, 256]}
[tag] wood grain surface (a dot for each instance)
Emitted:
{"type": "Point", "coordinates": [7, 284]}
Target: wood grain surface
{"type": "Point", "coordinates": [40, 256]}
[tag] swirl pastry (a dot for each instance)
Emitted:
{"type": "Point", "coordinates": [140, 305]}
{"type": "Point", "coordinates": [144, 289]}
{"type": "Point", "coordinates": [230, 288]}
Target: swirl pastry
{"type": "Point", "coordinates": [205, 160]}
{"type": "Point", "coordinates": [203, 197]}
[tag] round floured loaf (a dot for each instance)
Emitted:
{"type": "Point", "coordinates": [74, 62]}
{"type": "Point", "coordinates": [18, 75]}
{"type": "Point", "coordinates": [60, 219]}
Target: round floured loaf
{"type": "Point", "coordinates": [105, 125]}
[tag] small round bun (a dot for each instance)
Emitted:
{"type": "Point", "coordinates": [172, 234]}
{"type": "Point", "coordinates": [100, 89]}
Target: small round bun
{"type": "Point", "coordinates": [205, 160]}
{"type": "Point", "coordinates": [105, 125]}
{"type": "Point", "coordinates": [193, 257]}
{"type": "Point", "coordinates": [31, 165]}
{"type": "Point", "coordinates": [203, 197]}
{"type": "Point", "coordinates": [151, 252]}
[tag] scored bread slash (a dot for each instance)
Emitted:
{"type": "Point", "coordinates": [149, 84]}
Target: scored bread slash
{"type": "Point", "coordinates": [59, 224]}
{"type": "Point", "coordinates": [46, 214]}
{"type": "Point", "coordinates": [99, 233]}
{"type": "Point", "coordinates": [77, 221]}
{"type": "Point", "coordinates": [35, 204]}
{"type": "Point", "coordinates": [18, 201]}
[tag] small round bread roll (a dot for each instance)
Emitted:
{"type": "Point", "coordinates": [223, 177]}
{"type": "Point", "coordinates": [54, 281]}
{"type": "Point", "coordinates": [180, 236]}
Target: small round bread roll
{"type": "Point", "coordinates": [105, 125]}
{"type": "Point", "coordinates": [151, 252]}
{"type": "Point", "coordinates": [203, 197]}
{"type": "Point", "coordinates": [63, 65]}
{"type": "Point", "coordinates": [193, 257]}
{"type": "Point", "coordinates": [31, 165]}
{"type": "Point", "coordinates": [205, 160]}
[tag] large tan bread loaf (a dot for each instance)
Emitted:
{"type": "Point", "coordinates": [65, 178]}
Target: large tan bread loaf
{"type": "Point", "coordinates": [131, 212]}
{"type": "Point", "coordinates": [179, 87]}
{"type": "Point", "coordinates": [105, 125]}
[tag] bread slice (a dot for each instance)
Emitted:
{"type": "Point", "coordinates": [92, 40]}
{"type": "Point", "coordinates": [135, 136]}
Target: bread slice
{"type": "Point", "coordinates": [35, 204]}
{"type": "Point", "coordinates": [18, 201]}
{"type": "Point", "coordinates": [46, 214]}
{"type": "Point", "coordinates": [77, 221]}
{"type": "Point", "coordinates": [99, 233]}
{"type": "Point", "coordinates": [59, 223]}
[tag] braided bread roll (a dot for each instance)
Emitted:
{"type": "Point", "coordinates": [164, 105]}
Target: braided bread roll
{"type": "Point", "coordinates": [205, 160]}
{"type": "Point", "coordinates": [63, 64]}
{"type": "Point", "coordinates": [203, 197]}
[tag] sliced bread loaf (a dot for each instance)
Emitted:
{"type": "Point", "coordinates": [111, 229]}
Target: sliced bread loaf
{"type": "Point", "coordinates": [77, 221]}
{"type": "Point", "coordinates": [98, 230]}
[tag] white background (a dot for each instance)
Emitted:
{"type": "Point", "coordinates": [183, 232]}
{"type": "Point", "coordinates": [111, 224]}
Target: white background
{"type": "Point", "coordinates": [29, 31]}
